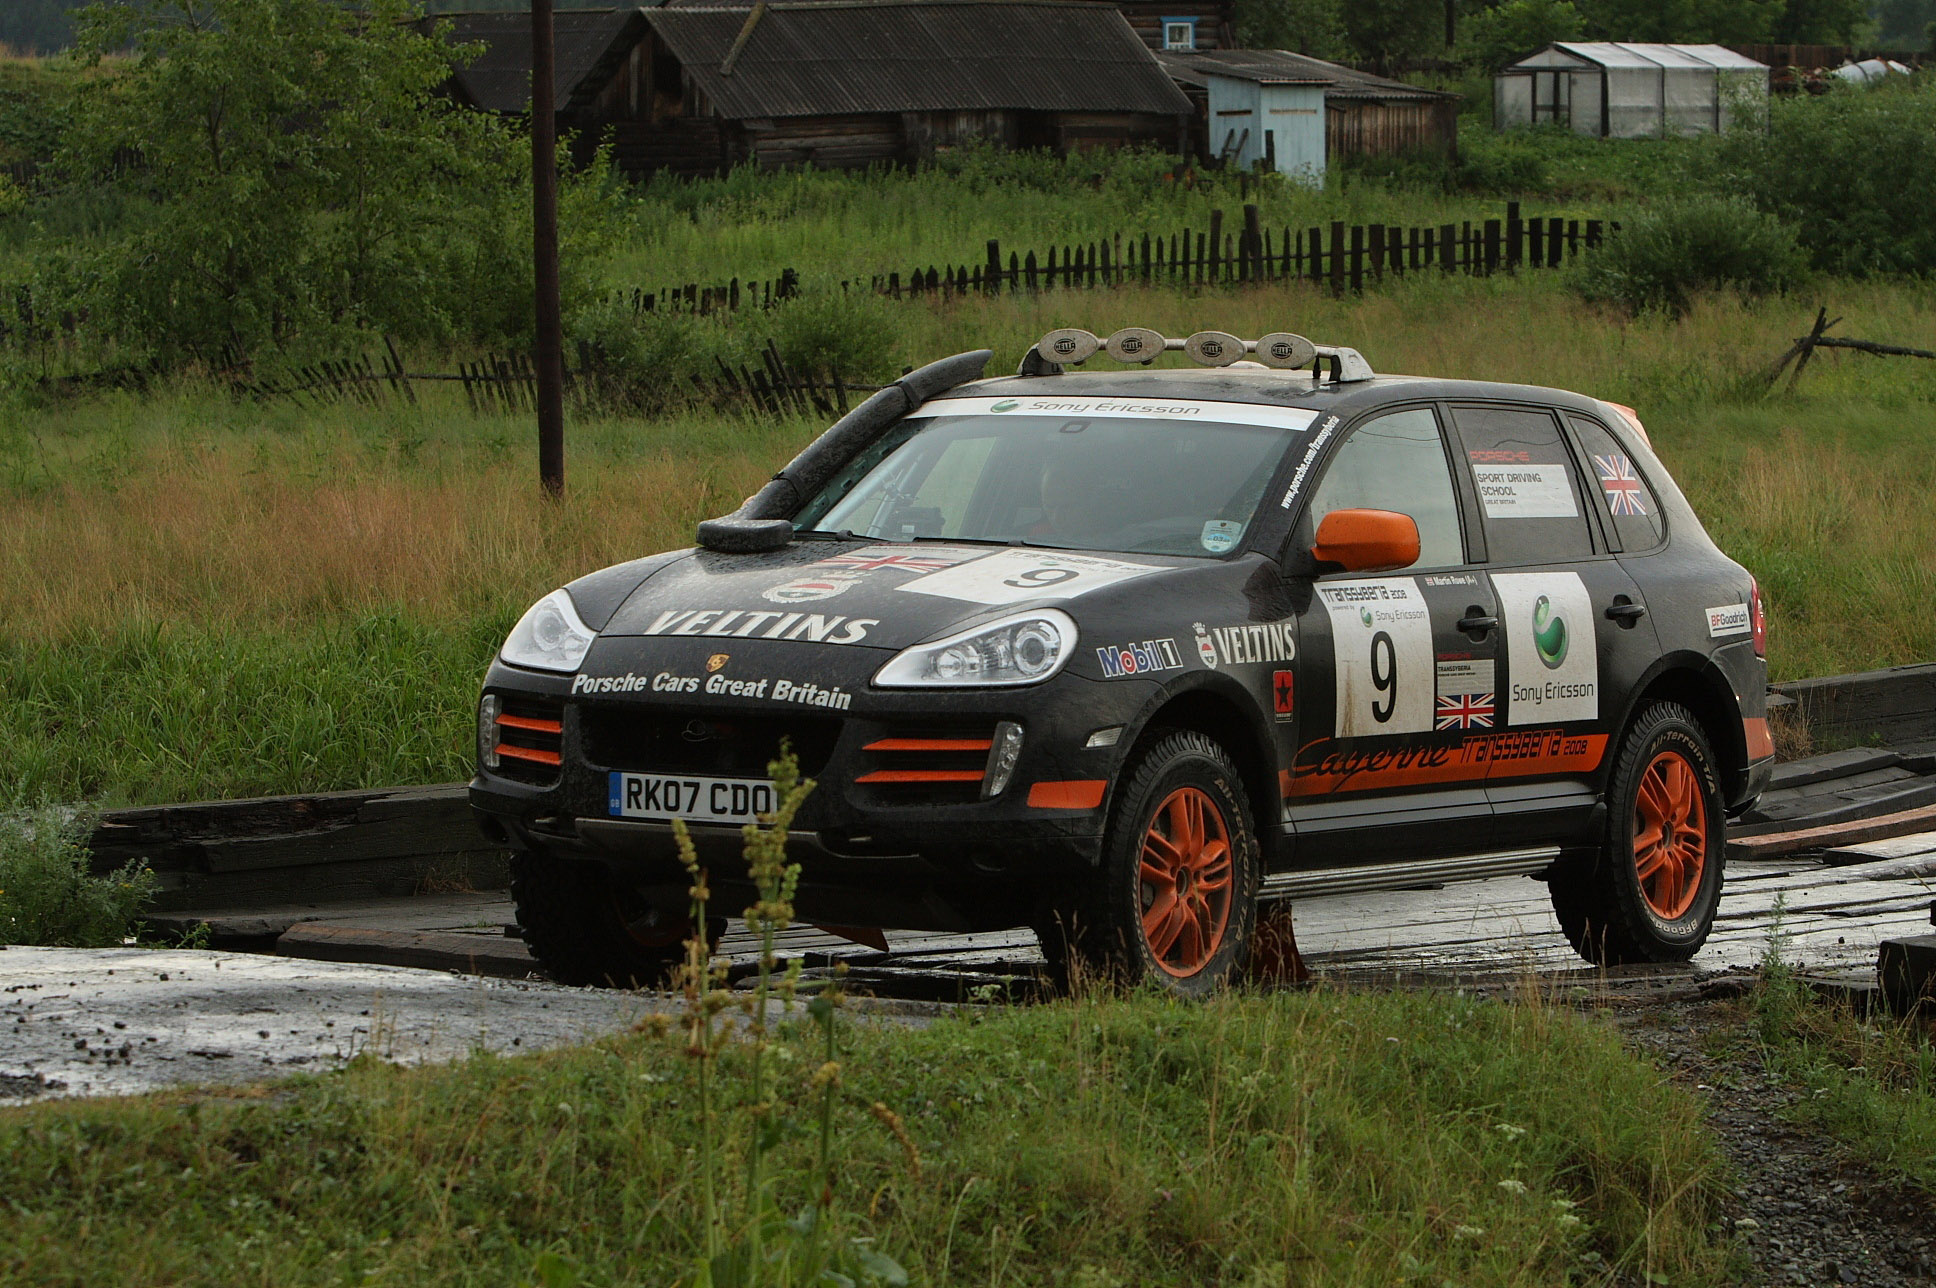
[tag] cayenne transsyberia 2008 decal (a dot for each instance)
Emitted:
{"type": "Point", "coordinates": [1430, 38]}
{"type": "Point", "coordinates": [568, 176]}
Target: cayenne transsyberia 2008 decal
{"type": "Point", "coordinates": [1551, 655]}
{"type": "Point", "coordinates": [1016, 575]}
{"type": "Point", "coordinates": [1382, 640]}
{"type": "Point", "coordinates": [1223, 413]}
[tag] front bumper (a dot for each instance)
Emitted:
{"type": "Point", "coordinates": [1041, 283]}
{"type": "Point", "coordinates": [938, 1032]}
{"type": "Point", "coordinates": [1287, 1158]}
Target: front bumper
{"type": "Point", "coordinates": [899, 830]}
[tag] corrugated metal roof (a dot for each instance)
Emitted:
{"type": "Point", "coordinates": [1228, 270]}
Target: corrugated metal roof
{"type": "Point", "coordinates": [1624, 54]}
{"type": "Point", "coordinates": [1281, 67]}
{"type": "Point", "coordinates": [499, 79]}
{"type": "Point", "coordinates": [921, 56]}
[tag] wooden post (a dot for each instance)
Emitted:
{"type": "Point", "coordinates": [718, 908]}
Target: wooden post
{"type": "Point", "coordinates": [1555, 229]}
{"type": "Point", "coordinates": [1357, 258]}
{"type": "Point", "coordinates": [1377, 238]}
{"type": "Point", "coordinates": [544, 254]}
{"type": "Point", "coordinates": [1536, 242]}
{"type": "Point", "coordinates": [1254, 234]}
{"type": "Point", "coordinates": [1492, 245]}
{"type": "Point", "coordinates": [1515, 228]}
{"type": "Point", "coordinates": [1216, 245]}
{"type": "Point", "coordinates": [992, 279]}
{"type": "Point", "coordinates": [1337, 258]}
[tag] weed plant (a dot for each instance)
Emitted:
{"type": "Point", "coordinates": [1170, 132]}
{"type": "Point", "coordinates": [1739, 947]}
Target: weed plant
{"type": "Point", "coordinates": [47, 894]}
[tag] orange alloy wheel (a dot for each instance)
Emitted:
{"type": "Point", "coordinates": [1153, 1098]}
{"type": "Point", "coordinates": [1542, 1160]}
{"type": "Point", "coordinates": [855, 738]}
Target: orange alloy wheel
{"type": "Point", "coordinates": [1670, 835]}
{"type": "Point", "coordinates": [1186, 881]}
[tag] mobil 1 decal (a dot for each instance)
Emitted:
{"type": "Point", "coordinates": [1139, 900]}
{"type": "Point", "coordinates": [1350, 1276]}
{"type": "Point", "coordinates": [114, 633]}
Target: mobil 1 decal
{"type": "Point", "coordinates": [1382, 641]}
{"type": "Point", "coordinates": [1552, 658]}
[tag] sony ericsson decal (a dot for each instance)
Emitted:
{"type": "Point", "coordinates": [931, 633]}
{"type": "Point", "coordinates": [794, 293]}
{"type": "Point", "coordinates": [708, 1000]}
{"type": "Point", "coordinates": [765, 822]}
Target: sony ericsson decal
{"type": "Point", "coordinates": [1016, 575]}
{"type": "Point", "coordinates": [839, 573]}
{"type": "Point", "coordinates": [1728, 619]}
{"type": "Point", "coordinates": [1233, 645]}
{"type": "Point", "coordinates": [1552, 657]}
{"type": "Point", "coordinates": [1189, 409]}
{"type": "Point", "coordinates": [1119, 660]}
{"type": "Point", "coordinates": [1620, 483]}
{"type": "Point", "coordinates": [1381, 639]}
{"type": "Point", "coordinates": [733, 623]}
{"type": "Point", "coordinates": [1523, 491]}
{"type": "Point", "coordinates": [797, 692]}
{"type": "Point", "coordinates": [1322, 765]}
{"type": "Point", "coordinates": [1465, 694]}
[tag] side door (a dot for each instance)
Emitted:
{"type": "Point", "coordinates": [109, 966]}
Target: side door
{"type": "Point", "coordinates": [1396, 669]}
{"type": "Point", "coordinates": [1575, 639]}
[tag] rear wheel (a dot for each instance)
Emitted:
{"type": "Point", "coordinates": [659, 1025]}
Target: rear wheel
{"type": "Point", "coordinates": [1175, 899]}
{"type": "Point", "coordinates": [584, 927]}
{"type": "Point", "coordinates": [1651, 893]}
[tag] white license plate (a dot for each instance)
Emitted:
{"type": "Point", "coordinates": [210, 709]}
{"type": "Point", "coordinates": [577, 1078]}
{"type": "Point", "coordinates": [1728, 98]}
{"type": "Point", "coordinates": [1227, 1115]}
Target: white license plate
{"type": "Point", "coordinates": [712, 800]}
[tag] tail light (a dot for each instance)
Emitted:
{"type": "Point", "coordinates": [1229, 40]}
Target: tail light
{"type": "Point", "coordinates": [1758, 613]}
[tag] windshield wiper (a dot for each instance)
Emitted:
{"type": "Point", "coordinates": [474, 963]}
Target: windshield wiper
{"type": "Point", "coordinates": [816, 534]}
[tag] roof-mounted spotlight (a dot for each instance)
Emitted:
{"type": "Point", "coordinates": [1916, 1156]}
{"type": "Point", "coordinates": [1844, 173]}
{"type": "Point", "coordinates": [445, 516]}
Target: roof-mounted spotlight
{"type": "Point", "coordinates": [1135, 344]}
{"type": "Point", "coordinates": [1068, 345]}
{"type": "Point", "coordinates": [1213, 348]}
{"type": "Point", "coordinates": [1285, 349]}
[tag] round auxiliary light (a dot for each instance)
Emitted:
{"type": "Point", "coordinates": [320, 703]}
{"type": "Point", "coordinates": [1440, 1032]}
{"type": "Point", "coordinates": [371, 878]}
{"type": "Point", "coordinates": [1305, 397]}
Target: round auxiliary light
{"type": "Point", "coordinates": [1214, 348]}
{"type": "Point", "coordinates": [1284, 349]}
{"type": "Point", "coordinates": [1135, 344]}
{"type": "Point", "coordinates": [1067, 345]}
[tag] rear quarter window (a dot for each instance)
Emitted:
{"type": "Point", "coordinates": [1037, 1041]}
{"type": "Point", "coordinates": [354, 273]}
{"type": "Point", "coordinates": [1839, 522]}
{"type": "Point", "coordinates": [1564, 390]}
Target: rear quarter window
{"type": "Point", "coordinates": [1624, 493]}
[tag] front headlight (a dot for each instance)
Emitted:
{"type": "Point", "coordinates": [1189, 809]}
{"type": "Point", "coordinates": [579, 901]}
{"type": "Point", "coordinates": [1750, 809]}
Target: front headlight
{"type": "Point", "coordinates": [550, 637]}
{"type": "Point", "coordinates": [1024, 649]}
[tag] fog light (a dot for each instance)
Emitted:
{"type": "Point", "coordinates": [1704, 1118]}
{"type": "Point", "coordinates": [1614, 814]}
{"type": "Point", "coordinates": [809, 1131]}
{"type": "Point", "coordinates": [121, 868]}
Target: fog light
{"type": "Point", "coordinates": [487, 734]}
{"type": "Point", "coordinates": [1002, 758]}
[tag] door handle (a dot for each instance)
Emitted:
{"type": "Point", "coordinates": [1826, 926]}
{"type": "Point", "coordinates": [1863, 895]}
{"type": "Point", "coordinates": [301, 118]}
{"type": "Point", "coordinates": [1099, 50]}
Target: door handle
{"type": "Point", "coordinates": [1626, 614]}
{"type": "Point", "coordinates": [1478, 623]}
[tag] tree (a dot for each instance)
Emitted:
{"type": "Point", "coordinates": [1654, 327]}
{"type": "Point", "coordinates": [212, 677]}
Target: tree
{"type": "Point", "coordinates": [1311, 27]}
{"type": "Point", "coordinates": [1384, 32]}
{"type": "Point", "coordinates": [307, 177]}
{"type": "Point", "coordinates": [1682, 21]}
{"type": "Point", "coordinates": [1820, 22]}
{"type": "Point", "coordinates": [1494, 37]}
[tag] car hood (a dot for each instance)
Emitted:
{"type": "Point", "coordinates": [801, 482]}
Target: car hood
{"type": "Point", "coordinates": [873, 595]}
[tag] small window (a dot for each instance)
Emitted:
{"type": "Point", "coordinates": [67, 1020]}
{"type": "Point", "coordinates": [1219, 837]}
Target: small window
{"type": "Point", "coordinates": [1626, 496]}
{"type": "Point", "coordinates": [1180, 33]}
{"type": "Point", "coordinates": [1529, 497]}
{"type": "Point", "coordinates": [1397, 462]}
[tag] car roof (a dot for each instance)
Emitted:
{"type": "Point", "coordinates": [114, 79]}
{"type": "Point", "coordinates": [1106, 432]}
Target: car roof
{"type": "Point", "coordinates": [1269, 388]}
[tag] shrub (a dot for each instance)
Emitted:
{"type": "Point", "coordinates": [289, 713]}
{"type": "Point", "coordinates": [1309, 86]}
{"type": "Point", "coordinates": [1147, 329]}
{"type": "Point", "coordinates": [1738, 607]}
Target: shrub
{"type": "Point", "coordinates": [1509, 163]}
{"type": "Point", "coordinates": [1853, 170]}
{"type": "Point", "coordinates": [849, 332]}
{"type": "Point", "coordinates": [1665, 254]}
{"type": "Point", "coordinates": [47, 894]}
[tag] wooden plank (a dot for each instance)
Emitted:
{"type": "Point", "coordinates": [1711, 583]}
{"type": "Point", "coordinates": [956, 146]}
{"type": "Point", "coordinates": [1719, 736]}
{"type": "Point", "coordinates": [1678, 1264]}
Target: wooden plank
{"type": "Point", "coordinates": [434, 950]}
{"type": "Point", "coordinates": [1899, 847]}
{"type": "Point", "coordinates": [1897, 703]}
{"type": "Point", "coordinates": [1834, 809]}
{"type": "Point", "coordinates": [1832, 764]}
{"type": "Point", "coordinates": [1838, 834]}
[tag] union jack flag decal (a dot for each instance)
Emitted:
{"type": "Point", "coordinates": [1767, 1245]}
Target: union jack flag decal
{"type": "Point", "coordinates": [868, 561]}
{"type": "Point", "coordinates": [1621, 484]}
{"type": "Point", "coordinates": [1465, 711]}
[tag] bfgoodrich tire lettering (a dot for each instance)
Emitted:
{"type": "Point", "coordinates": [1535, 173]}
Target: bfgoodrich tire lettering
{"type": "Point", "coordinates": [1651, 892]}
{"type": "Point", "coordinates": [1175, 899]}
{"type": "Point", "coordinates": [584, 928]}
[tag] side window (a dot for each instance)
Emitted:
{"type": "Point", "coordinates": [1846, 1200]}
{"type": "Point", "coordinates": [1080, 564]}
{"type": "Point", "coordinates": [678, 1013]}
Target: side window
{"type": "Point", "coordinates": [1528, 493]}
{"type": "Point", "coordinates": [1636, 515]}
{"type": "Point", "coordinates": [1397, 462]}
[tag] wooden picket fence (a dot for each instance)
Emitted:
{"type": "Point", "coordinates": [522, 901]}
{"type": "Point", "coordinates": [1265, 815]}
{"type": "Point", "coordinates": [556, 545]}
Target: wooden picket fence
{"type": "Point", "coordinates": [1342, 257]}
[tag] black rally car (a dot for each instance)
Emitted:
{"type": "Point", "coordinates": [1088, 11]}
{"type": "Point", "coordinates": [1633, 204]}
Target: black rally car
{"type": "Point", "coordinates": [1120, 654]}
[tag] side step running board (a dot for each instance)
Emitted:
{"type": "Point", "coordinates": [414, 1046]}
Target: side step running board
{"type": "Point", "coordinates": [1396, 876]}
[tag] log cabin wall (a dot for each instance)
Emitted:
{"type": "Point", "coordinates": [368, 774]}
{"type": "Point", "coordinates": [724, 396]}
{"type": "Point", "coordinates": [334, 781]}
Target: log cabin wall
{"type": "Point", "coordinates": [1366, 127]}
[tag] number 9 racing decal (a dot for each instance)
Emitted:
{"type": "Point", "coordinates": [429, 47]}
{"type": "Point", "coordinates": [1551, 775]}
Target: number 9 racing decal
{"type": "Point", "coordinates": [1016, 575]}
{"type": "Point", "coordinates": [1382, 643]}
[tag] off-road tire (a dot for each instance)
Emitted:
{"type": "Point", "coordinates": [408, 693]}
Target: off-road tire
{"type": "Point", "coordinates": [586, 928]}
{"type": "Point", "coordinates": [1651, 891]}
{"type": "Point", "coordinates": [1101, 929]}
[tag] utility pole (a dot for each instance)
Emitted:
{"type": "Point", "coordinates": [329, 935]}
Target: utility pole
{"type": "Point", "coordinates": [549, 353]}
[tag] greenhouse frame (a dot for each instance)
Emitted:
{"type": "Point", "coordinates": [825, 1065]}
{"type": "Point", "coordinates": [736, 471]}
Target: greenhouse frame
{"type": "Point", "coordinates": [1628, 91]}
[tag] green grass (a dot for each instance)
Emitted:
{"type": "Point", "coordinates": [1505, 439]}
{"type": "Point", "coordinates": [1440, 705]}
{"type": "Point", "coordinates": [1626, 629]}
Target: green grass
{"type": "Point", "coordinates": [1315, 1139]}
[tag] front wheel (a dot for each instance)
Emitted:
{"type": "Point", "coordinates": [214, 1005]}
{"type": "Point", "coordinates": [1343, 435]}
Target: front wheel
{"type": "Point", "coordinates": [584, 927]}
{"type": "Point", "coordinates": [1175, 899]}
{"type": "Point", "coordinates": [1651, 893]}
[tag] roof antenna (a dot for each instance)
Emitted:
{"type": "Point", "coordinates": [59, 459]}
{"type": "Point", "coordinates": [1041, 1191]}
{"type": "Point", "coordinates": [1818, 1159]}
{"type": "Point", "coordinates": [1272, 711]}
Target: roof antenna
{"type": "Point", "coordinates": [739, 41]}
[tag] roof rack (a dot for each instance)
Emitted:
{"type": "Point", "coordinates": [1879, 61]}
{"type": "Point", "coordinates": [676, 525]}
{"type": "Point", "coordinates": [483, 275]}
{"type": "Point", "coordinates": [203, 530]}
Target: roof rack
{"type": "Point", "coordinates": [1071, 346]}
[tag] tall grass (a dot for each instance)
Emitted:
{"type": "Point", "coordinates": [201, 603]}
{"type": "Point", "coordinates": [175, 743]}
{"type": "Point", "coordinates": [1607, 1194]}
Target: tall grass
{"type": "Point", "coordinates": [1315, 1139]}
{"type": "Point", "coordinates": [202, 597]}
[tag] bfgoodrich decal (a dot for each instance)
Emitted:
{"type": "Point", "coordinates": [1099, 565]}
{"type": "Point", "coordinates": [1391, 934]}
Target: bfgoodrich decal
{"type": "Point", "coordinates": [1552, 657]}
{"type": "Point", "coordinates": [1728, 619]}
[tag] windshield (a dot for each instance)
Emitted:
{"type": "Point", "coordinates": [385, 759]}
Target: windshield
{"type": "Point", "coordinates": [1177, 478]}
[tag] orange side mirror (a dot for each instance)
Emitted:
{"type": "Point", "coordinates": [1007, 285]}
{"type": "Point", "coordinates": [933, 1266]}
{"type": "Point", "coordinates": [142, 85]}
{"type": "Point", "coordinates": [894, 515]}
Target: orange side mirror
{"type": "Point", "coordinates": [1367, 540]}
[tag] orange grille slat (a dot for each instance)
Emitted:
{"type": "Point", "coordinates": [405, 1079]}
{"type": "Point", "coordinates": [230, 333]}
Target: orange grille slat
{"type": "Point", "coordinates": [921, 776]}
{"type": "Point", "coordinates": [530, 753]}
{"type": "Point", "coordinates": [930, 744]}
{"type": "Point", "coordinates": [535, 726]}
